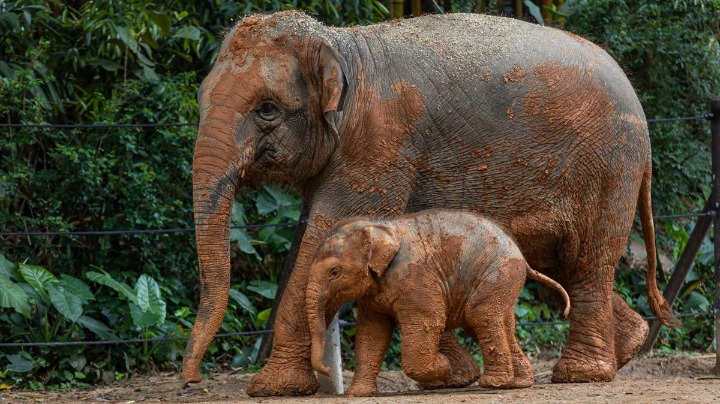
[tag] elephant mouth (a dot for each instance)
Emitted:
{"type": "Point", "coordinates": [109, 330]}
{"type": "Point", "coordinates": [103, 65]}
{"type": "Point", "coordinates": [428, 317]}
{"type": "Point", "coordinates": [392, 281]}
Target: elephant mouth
{"type": "Point", "coordinates": [265, 151]}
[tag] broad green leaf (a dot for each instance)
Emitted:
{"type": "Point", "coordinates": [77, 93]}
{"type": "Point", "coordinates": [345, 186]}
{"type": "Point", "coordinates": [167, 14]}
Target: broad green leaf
{"type": "Point", "coordinates": [7, 268]}
{"type": "Point", "coordinates": [149, 308]}
{"type": "Point", "coordinates": [78, 362]}
{"type": "Point", "coordinates": [281, 197]}
{"type": "Point", "coordinates": [13, 296]}
{"type": "Point", "coordinates": [77, 287]}
{"type": "Point", "coordinates": [97, 327]}
{"type": "Point", "coordinates": [696, 301]}
{"type": "Point", "coordinates": [265, 204]}
{"type": "Point", "coordinates": [148, 293]}
{"type": "Point", "coordinates": [242, 359]}
{"type": "Point", "coordinates": [162, 21]}
{"type": "Point", "coordinates": [105, 279]}
{"type": "Point", "coordinates": [182, 312]}
{"type": "Point", "coordinates": [534, 11]}
{"type": "Point", "coordinates": [263, 317]}
{"type": "Point", "coordinates": [66, 303]}
{"type": "Point", "coordinates": [264, 288]}
{"type": "Point", "coordinates": [243, 301]}
{"type": "Point", "coordinates": [188, 32]}
{"type": "Point", "coordinates": [142, 291]}
{"type": "Point", "coordinates": [19, 364]}
{"type": "Point", "coordinates": [244, 241]}
{"type": "Point", "coordinates": [526, 294]}
{"type": "Point", "coordinates": [238, 214]}
{"type": "Point", "coordinates": [145, 318]}
{"type": "Point", "coordinates": [279, 238]}
{"type": "Point", "coordinates": [274, 199]}
{"type": "Point", "coordinates": [37, 277]}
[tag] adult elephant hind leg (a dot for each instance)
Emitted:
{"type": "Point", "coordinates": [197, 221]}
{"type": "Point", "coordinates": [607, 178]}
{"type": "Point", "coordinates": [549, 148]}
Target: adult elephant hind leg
{"type": "Point", "coordinates": [630, 331]}
{"type": "Point", "coordinates": [589, 355]}
{"type": "Point", "coordinates": [465, 370]}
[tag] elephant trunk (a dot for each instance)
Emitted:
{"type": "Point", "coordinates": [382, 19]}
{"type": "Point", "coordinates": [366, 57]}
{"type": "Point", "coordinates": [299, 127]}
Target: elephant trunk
{"type": "Point", "coordinates": [214, 183]}
{"type": "Point", "coordinates": [316, 306]}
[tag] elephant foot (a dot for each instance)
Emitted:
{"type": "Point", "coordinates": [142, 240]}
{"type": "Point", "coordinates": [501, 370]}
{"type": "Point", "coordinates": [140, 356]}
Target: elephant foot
{"type": "Point", "coordinates": [630, 332]}
{"type": "Point", "coordinates": [519, 383]}
{"type": "Point", "coordinates": [575, 370]}
{"type": "Point", "coordinates": [465, 370]}
{"type": "Point", "coordinates": [283, 380]}
{"type": "Point", "coordinates": [362, 390]}
{"type": "Point", "coordinates": [496, 380]}
{"type": "Point", "coordinates": [523, 372]}
{"type": "Point", "coordinates": [455, 381]}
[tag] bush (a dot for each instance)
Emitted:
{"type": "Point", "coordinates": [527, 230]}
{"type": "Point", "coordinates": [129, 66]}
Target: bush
{"type": "Point", "coordinates": [135, 62]}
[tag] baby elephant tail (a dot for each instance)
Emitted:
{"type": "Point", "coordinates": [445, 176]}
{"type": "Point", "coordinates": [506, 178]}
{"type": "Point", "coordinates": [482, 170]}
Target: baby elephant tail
{"type": "Point", "coordinates": [537, 276]}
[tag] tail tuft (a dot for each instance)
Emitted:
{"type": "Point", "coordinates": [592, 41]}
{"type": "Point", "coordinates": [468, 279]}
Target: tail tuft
{"type": "Point", "coordinates": [662, 310]}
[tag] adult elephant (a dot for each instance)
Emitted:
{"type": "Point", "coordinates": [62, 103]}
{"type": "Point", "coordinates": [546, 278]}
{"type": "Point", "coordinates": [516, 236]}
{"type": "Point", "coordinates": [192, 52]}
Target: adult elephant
{"type": "Point", "coordinates": [533, 127]}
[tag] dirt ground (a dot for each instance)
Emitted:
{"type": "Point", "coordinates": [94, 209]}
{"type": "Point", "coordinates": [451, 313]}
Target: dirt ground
{"type": "Point", "coordinates": [683, 378]}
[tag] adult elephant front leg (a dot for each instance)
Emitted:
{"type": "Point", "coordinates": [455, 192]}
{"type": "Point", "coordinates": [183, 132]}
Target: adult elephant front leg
{"type": "Point", "coordinates": [289, 371]}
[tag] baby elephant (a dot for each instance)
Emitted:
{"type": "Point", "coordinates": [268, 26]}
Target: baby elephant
{"type": "Point", "coordinates": [429, 272]}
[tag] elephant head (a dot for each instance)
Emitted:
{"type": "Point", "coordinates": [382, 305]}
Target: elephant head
{"type": "Point", "coordinates": [269, 111]}
{"type": "Point", "coordinates": [347, 266]}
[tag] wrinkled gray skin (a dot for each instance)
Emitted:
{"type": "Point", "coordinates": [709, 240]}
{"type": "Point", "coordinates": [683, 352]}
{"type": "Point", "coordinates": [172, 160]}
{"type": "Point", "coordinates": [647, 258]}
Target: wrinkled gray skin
{"type": "Point", "coordinates": [427, 272]}
{"type": "Point", "coordinates": [534, 128]}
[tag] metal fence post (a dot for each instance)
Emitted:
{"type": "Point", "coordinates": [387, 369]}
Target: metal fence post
{"type": "Point", "coordinates": [333, 360]}
{"type": "Point", "coordinates": [715, 149]}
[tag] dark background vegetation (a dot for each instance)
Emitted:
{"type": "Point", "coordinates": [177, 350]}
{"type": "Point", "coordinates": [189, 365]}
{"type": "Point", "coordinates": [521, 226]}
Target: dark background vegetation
{"type": "Point", "coordinates": [141, 62]}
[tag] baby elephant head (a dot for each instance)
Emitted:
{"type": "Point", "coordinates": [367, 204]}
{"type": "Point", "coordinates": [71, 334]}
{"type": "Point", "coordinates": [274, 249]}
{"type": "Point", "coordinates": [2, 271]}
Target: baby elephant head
{"type": "Point", "coordinates": [347, 266]}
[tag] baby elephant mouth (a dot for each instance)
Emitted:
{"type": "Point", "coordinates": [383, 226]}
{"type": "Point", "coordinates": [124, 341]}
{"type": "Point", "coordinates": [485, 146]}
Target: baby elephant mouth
{"type": "Point", "coordinates": [266, 151]}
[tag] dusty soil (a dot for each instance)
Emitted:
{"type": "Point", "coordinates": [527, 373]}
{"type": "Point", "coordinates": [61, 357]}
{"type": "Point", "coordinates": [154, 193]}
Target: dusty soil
{"type": "Point", "coordinates": [684, 378]}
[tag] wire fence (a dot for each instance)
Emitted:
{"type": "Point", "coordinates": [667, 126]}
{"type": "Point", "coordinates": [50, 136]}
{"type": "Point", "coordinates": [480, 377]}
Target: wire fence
{"type": "Point", "coordinates": [262, 332]}
{"type": "Point", "coordinates": [342, 323]}
{"type": "Point", "coordinates": [140, 231]}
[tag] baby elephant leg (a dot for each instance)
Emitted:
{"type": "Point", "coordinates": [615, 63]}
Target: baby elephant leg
{"type": "Point", "coordinates": [372, 338]}
{"type": "Point", "coordinates": [465, 370]}
{"type": "Point", "coordinates": [498, 358]}
{"type": "Point", "coordinates": [490, 314]}
{"type": "Point", "coordinates": [421, 357]}
{"type": "Point", "coordinates": [522, 369]}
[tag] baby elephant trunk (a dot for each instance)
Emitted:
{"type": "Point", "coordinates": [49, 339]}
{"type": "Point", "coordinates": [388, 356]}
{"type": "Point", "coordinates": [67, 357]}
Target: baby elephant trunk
{"type": "Point", "coordinates": [537, 276]}
{"type": "Point", "coordinates": [316, 306]}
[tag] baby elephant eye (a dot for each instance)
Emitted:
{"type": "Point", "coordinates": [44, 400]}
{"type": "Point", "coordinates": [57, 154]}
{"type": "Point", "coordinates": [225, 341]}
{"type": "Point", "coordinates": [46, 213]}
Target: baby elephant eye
{"type": "Point", "coordinates": [267, 111]}
{"type": "Point", "coordinates": [334, 272]}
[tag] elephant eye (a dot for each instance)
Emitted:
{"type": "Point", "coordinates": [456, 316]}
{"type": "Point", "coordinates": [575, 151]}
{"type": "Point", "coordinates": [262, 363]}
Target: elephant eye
{"type": "Point", "coordinates": [334, 272]}
{"type": "Point", "coordinates": [267, 111]}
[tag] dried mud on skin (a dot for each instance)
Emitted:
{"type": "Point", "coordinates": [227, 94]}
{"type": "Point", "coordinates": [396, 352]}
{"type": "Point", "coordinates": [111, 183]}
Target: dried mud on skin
{"type": "Point", "coordinates": [680, 378]}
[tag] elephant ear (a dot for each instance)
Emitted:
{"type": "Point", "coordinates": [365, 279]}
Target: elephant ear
{"type": "Point", "coordinates": [333, 87]}
{"type": "Point", "coordinates": [381, 247]}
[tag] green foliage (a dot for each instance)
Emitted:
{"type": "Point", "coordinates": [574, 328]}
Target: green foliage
{"type": "Point", "coordinates": [56, 309]}
{"type": "Point", "coordinates": [671, 53]}
{"type": "Point", "coordinates": [140, 62]}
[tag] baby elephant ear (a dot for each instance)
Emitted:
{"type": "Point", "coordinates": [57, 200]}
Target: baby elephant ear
{"type": "Point", "coordinates": [382, 248]}
{"type": "Point", "coordinates": [333, 87]}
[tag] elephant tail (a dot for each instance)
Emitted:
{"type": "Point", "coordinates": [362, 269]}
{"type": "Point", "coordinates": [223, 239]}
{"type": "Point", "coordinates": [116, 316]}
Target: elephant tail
{"type": "Point", "coordinates": [657, 301]}
{"type": "Point", "coordinates": [537, 276]}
